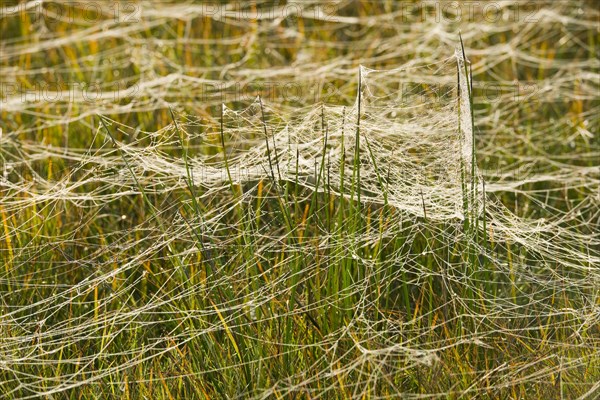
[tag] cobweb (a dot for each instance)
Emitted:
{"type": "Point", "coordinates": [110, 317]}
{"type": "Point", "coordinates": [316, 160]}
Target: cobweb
{"type": "Point", "coordinates": [363, 239]}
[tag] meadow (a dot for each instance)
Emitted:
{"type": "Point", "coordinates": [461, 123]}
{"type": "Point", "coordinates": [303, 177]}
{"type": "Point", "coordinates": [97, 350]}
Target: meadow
{"type": "Point", "coordinates": [354, 199]}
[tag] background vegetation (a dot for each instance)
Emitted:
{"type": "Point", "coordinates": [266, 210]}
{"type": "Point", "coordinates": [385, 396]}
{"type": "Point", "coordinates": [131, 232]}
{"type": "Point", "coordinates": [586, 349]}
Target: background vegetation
{"type": "Point", "coordinates": [156, 243]}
